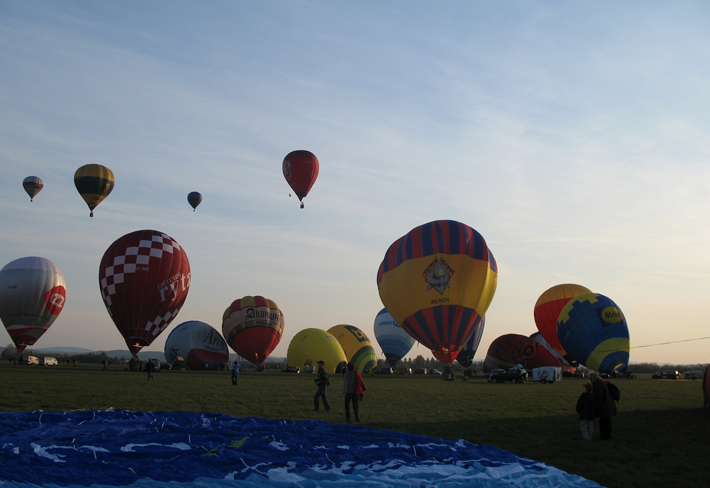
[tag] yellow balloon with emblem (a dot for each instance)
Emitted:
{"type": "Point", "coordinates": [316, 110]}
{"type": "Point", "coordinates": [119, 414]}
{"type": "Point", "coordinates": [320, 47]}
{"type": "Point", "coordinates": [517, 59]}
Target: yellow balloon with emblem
{"type": "Point", "coordinates": [356, 345]}
{"type": "Point", "coordinates": [312, 345]}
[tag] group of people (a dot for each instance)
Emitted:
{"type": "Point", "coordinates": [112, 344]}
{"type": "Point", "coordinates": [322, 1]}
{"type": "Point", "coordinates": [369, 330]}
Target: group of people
{"type": "Point", "coordinates": [597, 401]}
{"type": "Point", "coordinates": [353, 390]}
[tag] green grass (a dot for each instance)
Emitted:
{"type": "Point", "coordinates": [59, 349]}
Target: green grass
{"type": "Point", "coordinates": [659, 435]}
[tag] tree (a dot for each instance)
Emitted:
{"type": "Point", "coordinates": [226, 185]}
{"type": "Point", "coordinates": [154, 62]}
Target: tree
{"type": "Point", "coordinates": [9, 352]}
{"type": "Point", "coordinates": [419, 362]}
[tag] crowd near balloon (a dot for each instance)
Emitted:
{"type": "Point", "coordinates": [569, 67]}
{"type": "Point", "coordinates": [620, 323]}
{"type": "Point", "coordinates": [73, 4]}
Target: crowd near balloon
{"type": "Point", "coordinates": [436, 284]}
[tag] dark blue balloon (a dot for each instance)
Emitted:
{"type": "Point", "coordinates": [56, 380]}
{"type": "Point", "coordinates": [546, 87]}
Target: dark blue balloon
{"type": "Point", "coordinates": [194, 199]}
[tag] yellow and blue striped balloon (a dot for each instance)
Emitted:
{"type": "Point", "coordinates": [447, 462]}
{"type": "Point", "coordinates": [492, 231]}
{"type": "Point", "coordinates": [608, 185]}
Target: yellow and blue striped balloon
{"type": "Point", "coordinates": [593, 331]}
{"type": "Point", "coordinates": [436, 282]}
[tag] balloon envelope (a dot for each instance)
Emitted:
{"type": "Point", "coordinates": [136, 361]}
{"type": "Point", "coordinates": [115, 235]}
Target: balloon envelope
{"type": "Point", "coordinates": [32, 294]}
{"type": "Point", "coordinates": [468, 350]}
{"type": "Point", "coordinates": [194, 199]}
{"type": "Point", "coordinates": [94, 183]}
{"type": "Point", "coordinates": [566, 367]}
{"type": "Point", "coordinates": [312, 345]}
{"type": "Point", "coordinates": [513, 349]}
{"type": "Point", "coordinates": [32, 185]}
{"type": "Point", "coordinates": [253, 327]}
{"type": "Point", "coordinates": [144, 278]}
{"type": "Point", "coordinates": [300, 168]}
{"type": "Point", "coordinates": [548, 308]}
{"type": "Point", "coordinates": [593, 330]}
{"type": "Point", "coordinates": [356, 346]}
{"type": "Point", "coordinates": [198, 343]}
{"type": "Point", "coordinates": [436, 281]}
{"type": "Point", "coordinates": [394, 341]}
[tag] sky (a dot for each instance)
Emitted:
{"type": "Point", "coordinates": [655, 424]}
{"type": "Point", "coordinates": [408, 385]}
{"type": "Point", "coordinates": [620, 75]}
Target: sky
{"type": "Point", "coordinates": [573, 136]}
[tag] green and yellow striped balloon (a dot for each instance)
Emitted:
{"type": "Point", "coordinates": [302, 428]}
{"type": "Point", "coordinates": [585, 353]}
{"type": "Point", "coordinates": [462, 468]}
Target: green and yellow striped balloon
{"type": "Point", "coordinates": [356, 346]}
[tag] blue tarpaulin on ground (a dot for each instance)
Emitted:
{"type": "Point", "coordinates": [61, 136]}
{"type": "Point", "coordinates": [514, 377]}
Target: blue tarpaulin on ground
{"type": "Point", "coordinates": [117, 448]}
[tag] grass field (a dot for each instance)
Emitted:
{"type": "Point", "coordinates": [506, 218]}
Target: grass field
{"type": "Point", "coordinates": [660, 435]}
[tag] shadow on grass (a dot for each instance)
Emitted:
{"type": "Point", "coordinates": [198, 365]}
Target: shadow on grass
{"type": "Point", "coordinates": [648, 448]}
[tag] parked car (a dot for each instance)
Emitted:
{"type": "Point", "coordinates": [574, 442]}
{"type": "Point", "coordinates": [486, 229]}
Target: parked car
{"type": "Point", "coordinates": [693, 375]}
{"type": "Point", "coordinates": [382, 371]}
{"type": "Point", "coordinates": [30, 360]}
{"type": "Point", "coordinates": [514, 375]}
{"type": "Point", "coordinates": [666, 375]}
{"type": "Point", "coordinates": [47, 361]}
{"type": "Point", "coordinates": [291, 369]}
{"type": "Point", "coordinates": [434, 371]}
{"type": "Point", "coordinates": [487, 374]}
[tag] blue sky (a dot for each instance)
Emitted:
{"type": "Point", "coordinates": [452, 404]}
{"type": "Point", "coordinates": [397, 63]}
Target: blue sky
{"type": "Point", "coordinates": [573, 136]}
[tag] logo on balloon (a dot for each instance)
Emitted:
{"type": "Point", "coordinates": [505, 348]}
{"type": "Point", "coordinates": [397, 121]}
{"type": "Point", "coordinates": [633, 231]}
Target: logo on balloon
{"type": "Point", "coordinates": [54, 299]}
{"type": "Point", "coordinates": [437, 275]}
{"type": "Point", "coordinates": [611, 315]}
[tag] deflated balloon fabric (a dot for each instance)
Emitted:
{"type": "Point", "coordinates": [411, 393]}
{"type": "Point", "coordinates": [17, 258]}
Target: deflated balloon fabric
{"type": "Point", "coordinates": [111, 448]}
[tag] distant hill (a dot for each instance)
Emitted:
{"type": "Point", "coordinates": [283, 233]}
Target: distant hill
{"type": "Point", "coordinates": [48, 351]}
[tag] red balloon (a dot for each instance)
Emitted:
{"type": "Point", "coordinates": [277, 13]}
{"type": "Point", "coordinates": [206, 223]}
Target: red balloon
{"type": "Point", "coordinates": [300, 169]}
{"type": "Point", "coordinates": [253, 327]}
{"type": "Point", "coordinates": [144, 278]}
{"type": "Point", "coordinates": [509, 350]}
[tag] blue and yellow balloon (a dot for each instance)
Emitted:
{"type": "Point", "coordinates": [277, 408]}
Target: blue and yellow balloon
{"type": "Point", "coordinates": [593, 331]}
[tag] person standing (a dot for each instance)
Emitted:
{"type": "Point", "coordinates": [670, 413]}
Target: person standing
{"type": "Point", "coordinates": [353, 391]}
{"type": "Point", "coordinates": [235, 373]}
{"type": "Point", "coordinates": [704, 386]}
{"type": "Point", "coordinates": [322, 382]}
{"type": "Point", "coordinates": [604, 406]}
{"type": "Point", "coordinates": [585, 409]}
{"type": "Point", "coordinates": [150, 366]}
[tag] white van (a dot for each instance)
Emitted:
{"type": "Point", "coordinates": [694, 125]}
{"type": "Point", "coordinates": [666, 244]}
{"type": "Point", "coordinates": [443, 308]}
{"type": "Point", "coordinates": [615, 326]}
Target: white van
{"type": "Point", "coordinates": [32, 360]}
{"type": "Point", "coordinates": [547, 374]}
{"type": "Point", "coordinates": [47, 361]}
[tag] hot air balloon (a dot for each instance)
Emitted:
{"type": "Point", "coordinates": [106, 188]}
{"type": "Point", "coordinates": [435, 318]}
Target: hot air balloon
{"type": "Point", "coordinates": [253, 327]}
{"type": "Point", "coordinates": [356, 346]}
{"type": "Point", "coordinates": [300, 169]}
{"type": "Point", "coordinates": [144, 278]}
{"type": "Point", "coordinates": [566, 367]}
{"type": "Point", "coordinates": [436, 281]}
{"type": "Point", "coordinates": [510, 350]}
{"type": "Point", "coordinates": [199, 344]}
{"type": "Point", "coordinates": [312, 345]}
{"type": "Point", "coordinates": [194, 199]}
{"type": "Point", "coordinates": [593, 330]}
{"type": "Point", "coordinates": [394, 341]}
{"type": "Point", "coordinates": [32, 185]}
{"type": "Point", "coordinates": [94, 183]}
{"type": "Point", "coordinates": [468, 350]}
{"type": "Point", "coordinates": [32, 294]}
{"type": "Point", "coordinates": [548, 308]}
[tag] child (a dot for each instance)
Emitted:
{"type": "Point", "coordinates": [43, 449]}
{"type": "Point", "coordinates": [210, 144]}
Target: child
{"type": "Point", "coordinates": [585, 409]}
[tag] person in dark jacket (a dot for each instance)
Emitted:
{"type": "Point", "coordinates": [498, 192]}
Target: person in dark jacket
{"type": "Point", "coordinates": [322, 384]}
{"type": "Point", "coordinates": [604, 406]}
{"type": "Point", "coordinates": [585, 409]}
{"type": "Point", "coordinates": [353, 391]}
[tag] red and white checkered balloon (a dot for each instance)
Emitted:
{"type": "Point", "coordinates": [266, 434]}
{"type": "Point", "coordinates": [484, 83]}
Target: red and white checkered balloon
{"type": "Point", "coordinates": [144, 278]}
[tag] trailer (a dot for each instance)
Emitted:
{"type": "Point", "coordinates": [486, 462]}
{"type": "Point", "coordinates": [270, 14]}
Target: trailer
{"type": "Point", "coordinates": [547, 374]}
